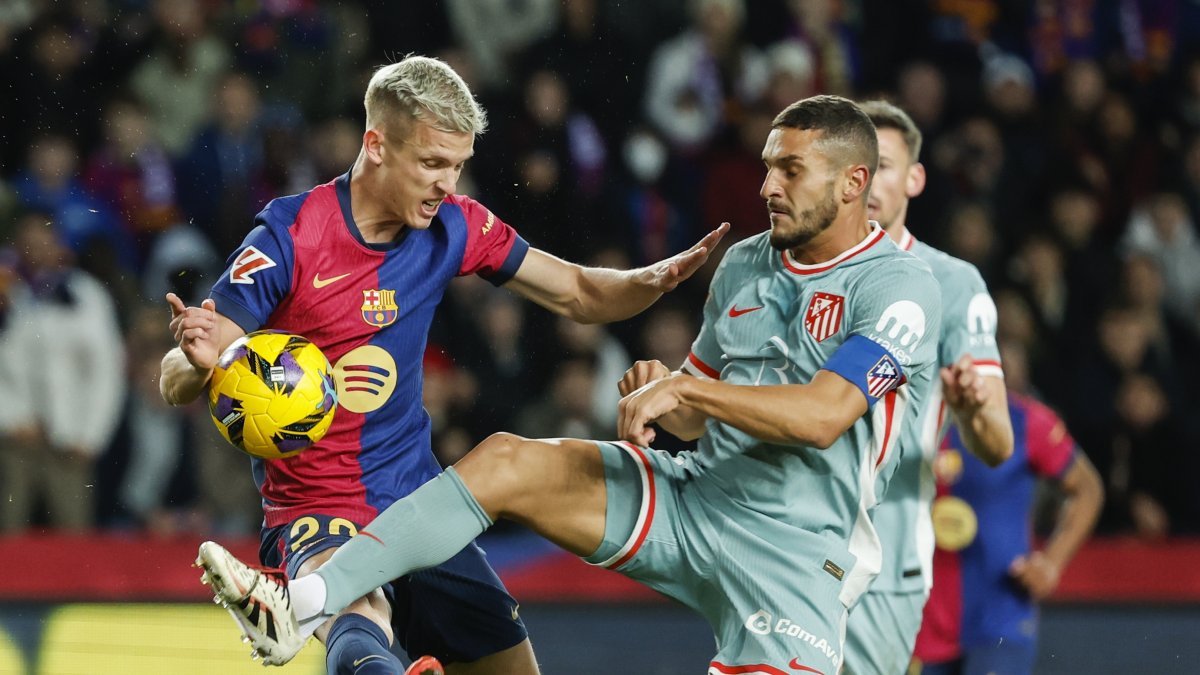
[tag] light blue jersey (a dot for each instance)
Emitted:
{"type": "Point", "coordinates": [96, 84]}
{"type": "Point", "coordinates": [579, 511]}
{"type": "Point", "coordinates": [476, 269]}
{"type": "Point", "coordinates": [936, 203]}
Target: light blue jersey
{"type": "Point", "coordinates": [770, 320]}
{"type": "Point", "coordinates": [772, 543]}
{"type": "Point", "coordinates": [883, 627]}
{"type": "Point", "coordinates": [968, 328]}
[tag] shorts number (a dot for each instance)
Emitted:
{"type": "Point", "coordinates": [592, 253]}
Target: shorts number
{"type": "Point", "coordinates": [307, 527]}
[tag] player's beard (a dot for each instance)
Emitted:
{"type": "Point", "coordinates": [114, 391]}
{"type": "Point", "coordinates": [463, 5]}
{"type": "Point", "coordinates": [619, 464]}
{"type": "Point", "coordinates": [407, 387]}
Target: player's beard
{"type": "Point", "coordinates": [809, 223]}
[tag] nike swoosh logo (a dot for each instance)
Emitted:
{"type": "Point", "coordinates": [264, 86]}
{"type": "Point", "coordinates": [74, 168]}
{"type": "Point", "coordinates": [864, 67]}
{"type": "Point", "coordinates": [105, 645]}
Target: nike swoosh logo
{"type": "Point", "coordinates": [365, 659]}
{"type": "Point", "coordinates": [796, 665]}
{"type": "Point", "coordinates": [734, 312]}
{"type": "Point", "coordinates": [318, 282]}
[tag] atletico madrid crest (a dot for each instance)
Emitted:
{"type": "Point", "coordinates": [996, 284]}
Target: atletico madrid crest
{"type": "Point", "coordinates": [379, 307]}
{"type": "Point", "coordinates": [824, 315]}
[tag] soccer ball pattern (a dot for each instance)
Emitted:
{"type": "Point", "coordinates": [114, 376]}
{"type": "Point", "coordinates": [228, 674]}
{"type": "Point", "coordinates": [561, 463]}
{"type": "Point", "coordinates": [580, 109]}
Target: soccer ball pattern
{"type": "Point", "coordinates": [272, 394]}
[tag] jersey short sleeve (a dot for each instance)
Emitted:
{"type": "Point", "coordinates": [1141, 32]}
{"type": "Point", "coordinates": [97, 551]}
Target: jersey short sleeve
{"type": "Point", "coordinates": [1048, 444]}
{"type": "Point", "coordinates": [969, 322]}
{"type": "Point", "coordinates": [257, 276]}
{"type": "Point", "coordinates": [494, 249]}
{"type": "Point", "coordinates": [707, 359]}
{"type": "Point", "coordinates": [894, 321]}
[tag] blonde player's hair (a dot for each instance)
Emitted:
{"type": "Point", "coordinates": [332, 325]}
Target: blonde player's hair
{"type": "Point", "coordinates": [426, 89]}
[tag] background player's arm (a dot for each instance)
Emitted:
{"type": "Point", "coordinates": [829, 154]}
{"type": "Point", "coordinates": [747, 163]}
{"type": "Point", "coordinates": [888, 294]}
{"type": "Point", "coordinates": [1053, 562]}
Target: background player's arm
{"type": "Point", "coordinates": [202, 334]}
{"type": "Point", "coordinates": [813, 414]}
{"type": "Point", "coordinates": [979, 404]}
{"type": "Point", "coordinates": [600, 295]}
{"type": "Point", "coordinates": [1039, 572]}
{"type": "Point", "coordinates": [684, 422]}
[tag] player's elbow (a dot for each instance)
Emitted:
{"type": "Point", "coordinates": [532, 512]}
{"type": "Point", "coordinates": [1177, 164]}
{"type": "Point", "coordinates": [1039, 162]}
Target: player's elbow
{"type": "Point", "coordinates": [821, 435]}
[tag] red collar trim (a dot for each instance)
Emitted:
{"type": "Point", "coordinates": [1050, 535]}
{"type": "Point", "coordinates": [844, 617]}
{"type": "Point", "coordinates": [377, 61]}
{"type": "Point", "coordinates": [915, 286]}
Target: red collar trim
{"type": "Point", "coordinates": [874, 237]}
{"type": "Point", "coordinates": [906, 240]}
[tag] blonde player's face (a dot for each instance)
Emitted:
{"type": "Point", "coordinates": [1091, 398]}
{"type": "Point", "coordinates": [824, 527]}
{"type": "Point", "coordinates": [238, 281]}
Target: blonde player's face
{"type": "Point", "coordinates": [423, 169]}
{"type": "Point", "coordinates": [895, 182]}
{"type": "Point", "coordinates": [799, 187]}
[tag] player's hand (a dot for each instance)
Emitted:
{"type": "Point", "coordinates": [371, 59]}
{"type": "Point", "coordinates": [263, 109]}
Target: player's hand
{"type": "Point", "coordinates": [638, 410]}
{"type": "Point", "coordinates": [1037, 573]}
{"type": "Point", "coordinates": [196, 331]}
{"type": "Point", "coordinates": [641, 374]}
{"type": "Point", "coordinates": [665, 275]}
{"type": "Point", "coordinates": [963, 387]}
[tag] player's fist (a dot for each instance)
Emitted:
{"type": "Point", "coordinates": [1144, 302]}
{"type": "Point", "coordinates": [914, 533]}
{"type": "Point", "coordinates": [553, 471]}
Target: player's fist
{"type": "Point", "coordinates": [196, 331]}
{"type": "Point", "coordinates": [1037, 573]}
{"type": "Point", "coordinates": [641, 374]}
{"type": "Point", "coordinates": [962, 385]}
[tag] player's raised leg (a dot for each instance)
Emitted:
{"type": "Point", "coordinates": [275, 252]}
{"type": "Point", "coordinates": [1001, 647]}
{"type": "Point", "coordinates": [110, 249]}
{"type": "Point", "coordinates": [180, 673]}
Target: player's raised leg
{"type": "Point", "coordinates": [555, 487]}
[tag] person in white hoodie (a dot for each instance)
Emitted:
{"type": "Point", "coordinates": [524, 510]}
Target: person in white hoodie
{"type": "Point", "coordinates": [62, 367]}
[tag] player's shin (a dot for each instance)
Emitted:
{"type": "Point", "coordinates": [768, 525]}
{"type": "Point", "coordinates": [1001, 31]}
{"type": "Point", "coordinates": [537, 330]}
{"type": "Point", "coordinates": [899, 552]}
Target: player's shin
{"type": "Point", "coordinates": [356, 646]}
{"type": "Point", "coordinates": [424, 529]}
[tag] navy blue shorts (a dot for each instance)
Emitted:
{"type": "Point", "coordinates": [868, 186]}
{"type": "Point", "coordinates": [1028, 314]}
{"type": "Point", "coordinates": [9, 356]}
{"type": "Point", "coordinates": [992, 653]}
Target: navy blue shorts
{"type": "Point", "coordinates": [458, 611]}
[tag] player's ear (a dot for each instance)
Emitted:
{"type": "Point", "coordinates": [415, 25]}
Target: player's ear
{"type": "Point", "coordinates": [373, 146]}
{"type": "Point", "coordinates": [915, 183]}
{"type": "Point", "coordinates": [857, 179]}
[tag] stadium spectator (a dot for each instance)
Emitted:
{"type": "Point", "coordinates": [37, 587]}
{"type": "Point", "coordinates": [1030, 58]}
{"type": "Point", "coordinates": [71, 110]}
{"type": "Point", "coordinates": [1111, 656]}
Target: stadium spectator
{"type": "Point", "coordinates": [132, 174]}
{"type": "Point", "coordinates": [50, 184]}
{"type": "Point", "coordinates": [177, 80]}
{"type": "Point", "coordinates": [697, 79]}
{"type": "Point", "coordinates": [65, 358]}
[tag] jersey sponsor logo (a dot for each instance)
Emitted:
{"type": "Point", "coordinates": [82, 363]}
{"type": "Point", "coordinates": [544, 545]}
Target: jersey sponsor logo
{"type": "Point", "coordinates": [904, 322]}
{"type": "Point", "coordinates": [824, 315]}
{"type": "Point", "coordinates": [883, 377]}
{"type": "Point", "coordinates": [249, 261]}
{"type": "Point", "coordinates": [318, 282]}
{"type": "Point", "coordinates": [763, 623]}
{"type": "Point", "coordinates": [734, 312]}
{"type": "Point", "coordinates": [981, 320]}
{"type": "Point", "coordinates": [487, 225]}
{"type": "Point", "coordinates": [379, 307]}
{"type": "Point", "coordinates": [365, 378]}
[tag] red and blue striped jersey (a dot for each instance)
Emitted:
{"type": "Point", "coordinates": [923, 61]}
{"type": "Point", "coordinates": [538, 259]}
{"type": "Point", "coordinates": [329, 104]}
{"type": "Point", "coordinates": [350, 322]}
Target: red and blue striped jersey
{"type": "Point", "coordinates": [974, 600]}
{"type": "Point", "coordinates": [306, 269]}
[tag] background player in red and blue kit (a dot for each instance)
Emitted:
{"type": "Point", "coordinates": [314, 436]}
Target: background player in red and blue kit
{"type": "Point", "coordinates": [358, 265]}
{"type": "Point", "coordinates": [981, 616]}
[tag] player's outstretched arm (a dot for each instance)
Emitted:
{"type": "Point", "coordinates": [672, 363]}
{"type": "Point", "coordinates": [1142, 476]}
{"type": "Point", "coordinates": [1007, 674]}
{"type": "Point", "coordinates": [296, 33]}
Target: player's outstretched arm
{"type": "Point", "coordinates": [683, 422]}
{"type": "Point", "coordinates": [1040, 571]}
{"type": "Point", "coordinates": [813, 414]}
{"type": "Point", "coordinates": [601, 295]}
{"type": "Point", "coordinates": [980, 407]}
{"type": "Point", "coordinates": [202, 334]}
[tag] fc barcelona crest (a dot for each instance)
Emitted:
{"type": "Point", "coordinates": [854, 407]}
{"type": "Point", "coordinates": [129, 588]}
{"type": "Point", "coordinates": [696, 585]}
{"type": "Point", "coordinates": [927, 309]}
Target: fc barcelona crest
{"type": "Point", "coordinates": [379, 307]}
{"type": "Point", "coordinates": [824, 315]}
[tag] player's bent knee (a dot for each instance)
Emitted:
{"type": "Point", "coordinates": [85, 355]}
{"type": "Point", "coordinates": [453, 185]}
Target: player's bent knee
{"type": "Point", "coordinates": [505, 454]}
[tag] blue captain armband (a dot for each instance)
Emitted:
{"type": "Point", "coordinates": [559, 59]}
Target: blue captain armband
{"type": "Point", "coordinates": [867, 365]}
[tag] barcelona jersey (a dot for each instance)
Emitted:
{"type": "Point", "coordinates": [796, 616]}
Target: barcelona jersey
{"type": "Point", "coordinates": [306, 269]}
{"type": "Point", "coordinates": [982, 522]}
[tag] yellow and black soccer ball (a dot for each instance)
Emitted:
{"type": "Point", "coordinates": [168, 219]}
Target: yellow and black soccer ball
{"type": "Point", "coordinates": [272, 394]}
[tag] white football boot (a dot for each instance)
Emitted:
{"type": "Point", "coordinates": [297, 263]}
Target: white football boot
{"type": "Point", "coordinates": [257, 599]}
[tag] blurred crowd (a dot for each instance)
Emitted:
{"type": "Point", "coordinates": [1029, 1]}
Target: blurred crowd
{"type": "Point", "coordinates": [138, 138]}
